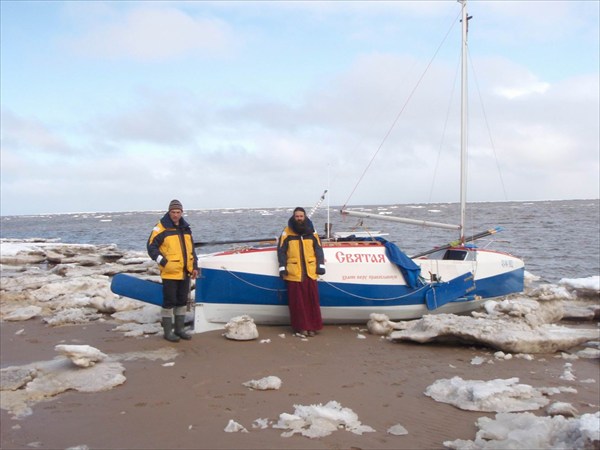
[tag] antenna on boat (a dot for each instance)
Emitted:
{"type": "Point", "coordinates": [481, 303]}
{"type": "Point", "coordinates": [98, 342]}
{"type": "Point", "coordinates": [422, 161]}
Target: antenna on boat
{"type": "Point", "coordinates": [312, 211]}
{"type": "Point", "coordinates": [328, 223]}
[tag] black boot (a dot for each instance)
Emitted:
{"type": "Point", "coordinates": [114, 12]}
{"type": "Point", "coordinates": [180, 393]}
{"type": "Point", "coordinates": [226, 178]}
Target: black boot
{"type": "Point", "coordinates": [167, 324]}
{"type": "Point", "coordinates": [179, 327]}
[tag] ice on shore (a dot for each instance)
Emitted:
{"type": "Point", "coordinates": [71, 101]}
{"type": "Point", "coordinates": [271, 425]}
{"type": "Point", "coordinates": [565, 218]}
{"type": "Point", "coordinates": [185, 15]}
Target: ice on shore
{"type": "Point", "coordinates": [511, 326]}
{"type": "Point", "coordinates": [315, 421]}
{"type": "Point", "coordinates": [527, 431]}
{"type": "Point", "coordinates": [68, 284]}
{"type": "Point", "coordinates": [81, 355]}
{"type": "Point", "coordinates": [561, 409]}
{"type": "Point", "coordinates": [381, 325]}
{"type": "Point", "coordinates": [397, 430]}
{"type": "Point", "coordinates": [582, 286]}
{"type": "Point", "coordinates": [241, 328]}
{"type": "Point", "coordinates": [83, 369]}
{"type": "Point", "coordinates": [495, 395]}
{"type": "Point", "coordinates": [513, 428]}
{"type": "Point", "coordinates": [24, 386]}
{"type": "Point", "coordinates": [234, 427]}
{"type": "Point", "coordinates": [25, 313]}
{"type": "Point", "coordinates": [264, 384]}
{"type": "Point", "coordinates": [261, 423]}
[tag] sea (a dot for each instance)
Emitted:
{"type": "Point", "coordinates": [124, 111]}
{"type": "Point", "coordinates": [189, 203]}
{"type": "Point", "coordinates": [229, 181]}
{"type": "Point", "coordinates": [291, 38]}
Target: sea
{"type": "Point", "coordinates": [556, 239]}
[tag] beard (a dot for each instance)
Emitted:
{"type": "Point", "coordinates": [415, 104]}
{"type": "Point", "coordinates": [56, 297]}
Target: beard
{"type": "Point", "coordinates": [300, 227]}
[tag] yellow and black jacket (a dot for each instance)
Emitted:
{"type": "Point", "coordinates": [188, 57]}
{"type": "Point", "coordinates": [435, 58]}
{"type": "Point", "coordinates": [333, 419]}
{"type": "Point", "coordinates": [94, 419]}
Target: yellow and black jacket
{"type": "Point", "coordinates": [172, 247]}
{"type": "Point", "coordinates": [300, 254]}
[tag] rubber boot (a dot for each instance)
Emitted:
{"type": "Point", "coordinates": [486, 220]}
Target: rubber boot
{"type": "Point", "coordinates": [167, 324]}
{"type": "Point", "coordinates": [179, 327]}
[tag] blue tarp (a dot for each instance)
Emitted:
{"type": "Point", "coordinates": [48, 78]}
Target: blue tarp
{"type": "Point", "coordinates": [407, 266]}
{"type": "Point", "coordinates": [409, 269]}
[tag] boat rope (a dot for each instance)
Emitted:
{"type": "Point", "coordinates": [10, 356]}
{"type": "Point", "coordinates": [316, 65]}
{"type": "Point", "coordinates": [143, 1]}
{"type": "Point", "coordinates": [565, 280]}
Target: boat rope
{"type": "Point", "coordinates": [375, 299]}
{"type": "Point", "coordinates": [251, 284]}
{"type": "Point", "coordinates": [395, 121]}
{"type": "Point", "coordinates": [329, 284]}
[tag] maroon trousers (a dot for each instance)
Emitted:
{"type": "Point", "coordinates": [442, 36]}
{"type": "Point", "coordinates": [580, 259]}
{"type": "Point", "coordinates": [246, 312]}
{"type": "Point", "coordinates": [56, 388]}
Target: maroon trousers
{"type": "Point", "coordinates": [303, 301]}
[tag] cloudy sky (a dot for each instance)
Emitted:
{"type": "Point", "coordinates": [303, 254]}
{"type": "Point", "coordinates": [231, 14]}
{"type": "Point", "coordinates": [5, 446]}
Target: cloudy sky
{"type": "Point", "coordinates": [122, 106]}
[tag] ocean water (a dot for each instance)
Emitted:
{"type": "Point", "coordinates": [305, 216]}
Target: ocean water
{"type": "Point", "coordinates": [556, 239]}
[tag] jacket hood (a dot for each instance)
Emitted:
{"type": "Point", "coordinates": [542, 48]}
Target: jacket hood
{"type": "Point", "coordinates": [168, 223]}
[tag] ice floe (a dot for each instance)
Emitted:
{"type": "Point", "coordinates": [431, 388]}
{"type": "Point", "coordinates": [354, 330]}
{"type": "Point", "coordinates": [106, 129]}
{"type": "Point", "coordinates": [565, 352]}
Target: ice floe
{"type": "Point", "coordinates": [513, 428]}
{"type": "Point", "coordinates": [527, 431]}
{"type": "Point", "coordinates": [397, 430]}
{"type": "Point", "coordinates": [25, 313]}
{"type": "Point", "coordinates": [41, 381]}
{"type": "Point", "coordinates": [81, 368]}
{"type": "Point", "coordinates": [495, 395]}
{"type": "Point", "coordinates": [315, 421]}
{"type": "Point", "coordinates": [241, 328]}
{"type": "Point", "coordinates": [380, 324]}
{"type": "Point", "coordinates": [261, 423]}
{"type": "Point", "coordinates": [561, 409]}
{"type": "Point", "coordinates": [515, 334]}
{"type": "Point", "coordinates": [234, 427]}
{"type": "Point", "coordinates": [81, 355]}
{"type": "Point", "coordinates": [264, 384]}
{"type": "Point", "coordinates": [583, 286]}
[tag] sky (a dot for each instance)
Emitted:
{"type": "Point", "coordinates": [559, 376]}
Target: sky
{"type": "Point", "coordinates": [123, 106]}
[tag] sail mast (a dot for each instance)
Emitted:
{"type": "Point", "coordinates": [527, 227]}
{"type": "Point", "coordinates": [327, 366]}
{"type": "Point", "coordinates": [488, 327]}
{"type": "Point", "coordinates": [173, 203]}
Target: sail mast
{"type": "Point", "coordinates": [463, 152]}
{"type": "Point", "coordinates": [463, 122]}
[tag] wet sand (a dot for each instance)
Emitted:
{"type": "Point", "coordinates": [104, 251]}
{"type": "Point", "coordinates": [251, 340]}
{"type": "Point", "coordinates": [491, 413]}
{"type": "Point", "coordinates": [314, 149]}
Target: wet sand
{"type": "Point", "coordinates": [189, 404]}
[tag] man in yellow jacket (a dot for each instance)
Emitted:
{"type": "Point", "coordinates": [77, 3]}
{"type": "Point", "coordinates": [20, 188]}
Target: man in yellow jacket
{"type": "Point", "coordinates": [171, 245]}
{"type": "Point", "coordinates": [301, 259]}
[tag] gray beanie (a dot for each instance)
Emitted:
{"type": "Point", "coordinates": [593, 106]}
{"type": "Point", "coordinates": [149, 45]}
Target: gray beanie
{"type": "Point", "coordinates": [175, 204]}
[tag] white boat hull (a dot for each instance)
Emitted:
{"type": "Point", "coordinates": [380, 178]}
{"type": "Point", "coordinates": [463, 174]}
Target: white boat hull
{"type": "Point", "coordinates": [360, 280]}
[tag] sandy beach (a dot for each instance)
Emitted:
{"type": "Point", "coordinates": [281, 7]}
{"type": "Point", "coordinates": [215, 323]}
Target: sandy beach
{"type": "Point", "coordinates": [188, 404]}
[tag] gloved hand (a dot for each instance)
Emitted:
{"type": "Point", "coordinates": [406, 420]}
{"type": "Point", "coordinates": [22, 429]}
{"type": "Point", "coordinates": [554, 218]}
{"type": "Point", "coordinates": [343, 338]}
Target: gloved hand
{"type": "Point", "coordinates": [161, 260]}
{"type": "Point", "coordinates": [321, 269]}
{"type": "Point", "coordinates": [282, 271]}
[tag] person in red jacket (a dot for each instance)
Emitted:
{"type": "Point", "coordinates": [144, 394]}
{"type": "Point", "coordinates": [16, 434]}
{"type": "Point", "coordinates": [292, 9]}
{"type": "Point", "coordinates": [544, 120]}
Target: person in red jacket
{"type": "Point", "coordinates": [301, 259]}
{"type": "Point", "coordinates": [171, 245]}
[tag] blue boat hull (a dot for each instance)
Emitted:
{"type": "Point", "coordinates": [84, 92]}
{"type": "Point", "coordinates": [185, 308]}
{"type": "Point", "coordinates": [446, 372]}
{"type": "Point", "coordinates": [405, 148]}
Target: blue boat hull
{"type": "Point", "coordinates": [219, 286]}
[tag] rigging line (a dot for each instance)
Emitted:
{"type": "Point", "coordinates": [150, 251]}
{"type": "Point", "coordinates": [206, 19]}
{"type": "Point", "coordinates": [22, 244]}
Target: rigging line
{"type": "Point", "coordinates": [488, 129]}
{"type": "Point", "coordinates": [400, 113]}
{"type": "Point", "coordinates": [437, 161]}
{"type": "Point", "coordinates": [487, 125]}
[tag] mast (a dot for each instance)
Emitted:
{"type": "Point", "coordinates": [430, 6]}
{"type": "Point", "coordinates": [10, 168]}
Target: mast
{"type": "Point", "coordinates": [463, 152]}
{"type": "Point", "coordinates": [463, 122]}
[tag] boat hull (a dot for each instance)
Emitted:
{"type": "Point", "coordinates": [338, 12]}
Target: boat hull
{"type": "Point", "coordinates": [360, 280]}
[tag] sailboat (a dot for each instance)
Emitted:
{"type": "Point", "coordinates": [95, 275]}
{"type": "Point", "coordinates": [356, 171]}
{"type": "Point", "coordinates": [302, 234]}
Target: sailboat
{"type": "Point", "coordinates": [365, 275]}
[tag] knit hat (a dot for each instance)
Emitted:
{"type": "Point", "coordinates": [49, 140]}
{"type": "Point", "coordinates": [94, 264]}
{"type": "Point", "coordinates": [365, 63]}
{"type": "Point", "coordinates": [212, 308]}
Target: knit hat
{"type": "Point", "coordinates": [175, 204]}
{"type": "Point", "coordinates": [299, 208]}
